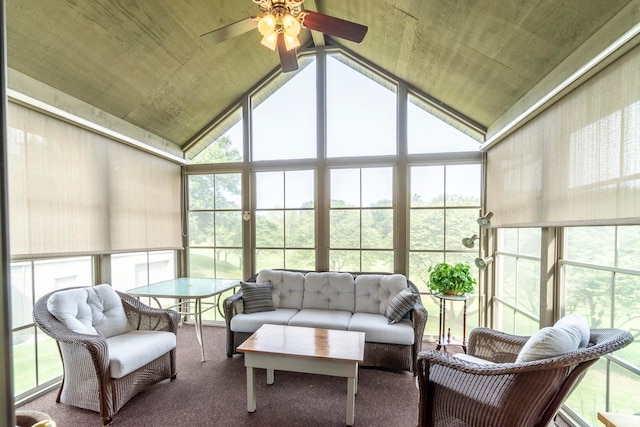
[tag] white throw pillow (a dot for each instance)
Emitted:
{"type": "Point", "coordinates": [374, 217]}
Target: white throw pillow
{"type": "Point", "coordinates": [577, 323]}
{"type": "Point", "coordinates": [549, 342]}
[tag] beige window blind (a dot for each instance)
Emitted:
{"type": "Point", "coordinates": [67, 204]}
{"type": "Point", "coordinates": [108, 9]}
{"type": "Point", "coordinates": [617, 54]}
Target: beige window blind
{"type": "Point", "coordinates": [72, 191]}
{"type": "Point", "coordinates": [578, 162]}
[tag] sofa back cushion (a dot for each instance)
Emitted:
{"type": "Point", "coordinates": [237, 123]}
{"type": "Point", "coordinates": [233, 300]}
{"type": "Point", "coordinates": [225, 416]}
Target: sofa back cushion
{"type": "Point", "coordinates": [287, 287]}
{"type": "Point", "coordinates": [374, 291]}
{"type": "Point", "coordinates": [91, 310]}
{"type": "Point", "coordinates": [329, 291]}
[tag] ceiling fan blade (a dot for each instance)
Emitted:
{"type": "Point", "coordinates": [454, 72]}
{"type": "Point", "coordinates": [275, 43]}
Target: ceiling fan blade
{"type": "Point", "coordinates": [288, 58]}
{"type": "Point", "coordinates": [334, 26]}
{"type": "Point", "coordinates": [232, 30]}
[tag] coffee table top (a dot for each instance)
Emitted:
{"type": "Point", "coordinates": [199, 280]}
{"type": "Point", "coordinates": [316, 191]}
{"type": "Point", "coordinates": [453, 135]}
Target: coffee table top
{"type": "Point", "coordinates": [314, 343]}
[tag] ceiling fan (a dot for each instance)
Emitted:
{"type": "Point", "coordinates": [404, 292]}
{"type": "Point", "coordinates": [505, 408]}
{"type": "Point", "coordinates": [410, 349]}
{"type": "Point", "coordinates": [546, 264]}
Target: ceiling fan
{"type": "Point", "coordinates": [280, 23]}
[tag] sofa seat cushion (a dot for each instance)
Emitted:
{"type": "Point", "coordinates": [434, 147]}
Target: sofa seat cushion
{"type": "Point", "coordinates": [287, 287]}
{"type": "Point", "coordinates": [377, 329]}
{"type": "Point", "coordinates": [249, 323]}
{"type": "Point", "coordinates": [90, 310]}
{"type": "Point", "coordinates": [375, 291]}
{"type": "Point", "coordinates": [317, 318]}
{"type": "Point", "coordinates": [329, 291]}
{"type": "Point", "coordinates": [132, 350]}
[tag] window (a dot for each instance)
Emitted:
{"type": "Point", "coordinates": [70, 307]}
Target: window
{"type": "Point", "coordinates": [36, 362]}
{"type": "Point", "coordinates": [284, 122]}
{"type": "Point", "coordinates": [350, 131]}
{"type": "Point", "coordinates": [602, 284]}
{"type": "Point", "coordinates": [327, 179]}
{"type": "Point", "coordinates": [130, 270]}
{"type": "Point", "coordinates": [225, 148]}
{"type": "Point", "coordinates": [443, 208]}
{"type": "Point", "coordinates": [428, 134]}
{"type": "Point", "coordinates": [361, 219]}
{"type": "Point", "coordinates": [215, 225]}
{"type": "Point", "coordinates": [285, 220]}
{"type": "Point", "coordinates": [517, 300]}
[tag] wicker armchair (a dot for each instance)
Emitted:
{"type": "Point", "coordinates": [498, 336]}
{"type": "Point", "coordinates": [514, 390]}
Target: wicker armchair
{"type": "Point", "coordinates": [456, 392]}
{"type": "Point", "coordinates": [87, 381]}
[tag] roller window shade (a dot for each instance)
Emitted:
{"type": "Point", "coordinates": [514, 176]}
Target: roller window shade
{"type": "Point", "coordinates": [72, 191]}
{"type": "Point", "coordinates": [578, 162]}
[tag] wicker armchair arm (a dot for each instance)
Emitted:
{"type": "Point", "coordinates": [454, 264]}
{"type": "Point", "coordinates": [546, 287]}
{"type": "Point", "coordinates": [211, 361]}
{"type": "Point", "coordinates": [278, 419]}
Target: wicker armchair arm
{"type": "Point", "coordinates": [428, 359]}
{"type": "Point", "coordinates": [62, 333]}
{"type": "Point", "coordinates": [81, 349]}
{"type": "Point", "coordinates": [494, 345]}
{"type": "Point", "coordinates": [143, 317]}
{"type": "Point", "coordinates": [603, 341]}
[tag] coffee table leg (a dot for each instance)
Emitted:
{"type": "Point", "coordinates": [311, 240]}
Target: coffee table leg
{"type": "Point", "coordinates": [351, 400]}
{"type": "Point", "coordinates": [270, 376]}
{"type": "Point", "coordinates": [355, 391]}
{"type": "Point", "coordinates": [251, 390]}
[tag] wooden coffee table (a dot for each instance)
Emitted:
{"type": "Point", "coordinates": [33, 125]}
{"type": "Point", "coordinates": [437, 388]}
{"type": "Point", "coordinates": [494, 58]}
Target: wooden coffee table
{"type": "Point", "coordinates": [308, 350]}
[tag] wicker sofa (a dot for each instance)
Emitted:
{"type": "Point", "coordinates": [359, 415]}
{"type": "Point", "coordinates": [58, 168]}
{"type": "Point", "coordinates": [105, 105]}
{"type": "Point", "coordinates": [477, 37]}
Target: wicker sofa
{"type": "Point", "coordinates": [336, 300]}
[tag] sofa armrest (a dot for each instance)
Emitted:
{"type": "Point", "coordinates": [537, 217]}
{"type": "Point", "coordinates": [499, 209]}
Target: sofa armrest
{"type": "Point", "coordinates": [419, 316]}
{"type": "Point", "coordinates": [231, 306]}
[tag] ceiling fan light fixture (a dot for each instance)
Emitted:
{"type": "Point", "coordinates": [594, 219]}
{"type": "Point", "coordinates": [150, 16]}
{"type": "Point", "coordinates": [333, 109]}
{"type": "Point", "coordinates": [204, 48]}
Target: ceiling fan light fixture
{"type": "Point", "coordinates": [290, 25]}
{"type": "Point", "coordinates": [270, 41]}
{"type": "Point", "coordinates": [267, 25]}
{"type": "Point", "coordinates": [291, 42]}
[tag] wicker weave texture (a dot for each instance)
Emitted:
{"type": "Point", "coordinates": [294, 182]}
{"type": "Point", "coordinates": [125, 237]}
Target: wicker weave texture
{"type": "Point", "coordinates": [455, 392]}
{"type": "Point", "coordinates": [86, 381]}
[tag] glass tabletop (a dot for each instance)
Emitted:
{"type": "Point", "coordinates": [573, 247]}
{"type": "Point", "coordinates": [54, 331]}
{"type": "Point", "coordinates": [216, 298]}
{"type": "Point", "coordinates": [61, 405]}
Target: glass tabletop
{"type": "Point", "coordinates": [185, 287]}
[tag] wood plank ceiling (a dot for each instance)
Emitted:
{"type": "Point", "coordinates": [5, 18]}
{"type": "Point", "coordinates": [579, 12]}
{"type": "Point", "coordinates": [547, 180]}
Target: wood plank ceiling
{"type": "Point", "coordinates": [145, 62]}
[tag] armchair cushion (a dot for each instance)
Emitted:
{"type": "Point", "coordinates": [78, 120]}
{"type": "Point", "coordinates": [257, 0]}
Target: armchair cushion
{"type": "Point", "coordinates": [131, 351]}
{"type": "Point", "coordinates": [91, 310]}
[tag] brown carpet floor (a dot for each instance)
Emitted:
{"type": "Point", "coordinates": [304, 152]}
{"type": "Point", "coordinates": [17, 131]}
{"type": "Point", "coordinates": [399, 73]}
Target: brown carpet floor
{"type": "Point", "coordinates": [213, 393]}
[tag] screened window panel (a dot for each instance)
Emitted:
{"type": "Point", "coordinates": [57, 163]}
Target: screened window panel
{"type": "Point", "coordinates": [73, 191]}
{"type": "Point", "coordinates": [578, 162]}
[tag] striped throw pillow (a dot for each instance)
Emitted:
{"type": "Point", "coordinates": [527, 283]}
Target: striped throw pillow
{"type": "Point", "coordinates": [400, 305]}
{"type": "Point", "coordinates": [256, 297]}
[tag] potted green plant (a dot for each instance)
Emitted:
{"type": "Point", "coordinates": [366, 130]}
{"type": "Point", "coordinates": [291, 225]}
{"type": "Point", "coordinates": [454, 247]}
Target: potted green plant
{"type": "Point", "coordinates": [450, 279]}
